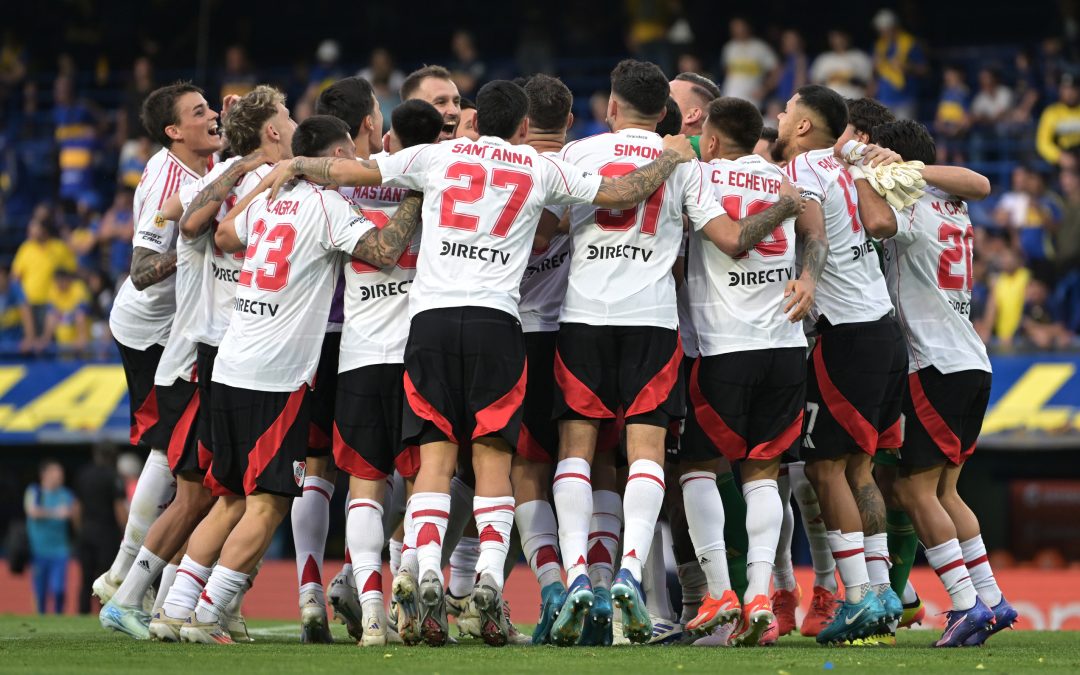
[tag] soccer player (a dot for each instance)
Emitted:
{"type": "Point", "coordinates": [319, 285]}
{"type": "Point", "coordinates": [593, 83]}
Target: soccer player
{"type": "Point", "coordinates": [864, 114]}
{"type": "Point", "coordinates": [857, 366]}
{"type": "Point", "coordinates": [618, 345]}
{"type": "Point", "coordinates": [433, 84]}
{"type": "Point", "coordinates": [270, 351]}
{"type": "Point", "coordinates": [467, 124]}
{"type": "Point", "coordinates": [949, 382]}
{"type": "Point", "coordinates": [748, 387]}
{"type": "Point", "coordinates": [181, 121]}
{"type": "Point", "coordinates": [465, 359]}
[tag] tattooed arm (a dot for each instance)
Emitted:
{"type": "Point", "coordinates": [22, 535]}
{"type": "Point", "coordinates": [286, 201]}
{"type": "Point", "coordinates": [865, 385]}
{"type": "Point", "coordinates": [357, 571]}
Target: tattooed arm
{"type": "Point", "coordinates": [383, 246]}
{"type": "Point", "coordinates": [875, 213]}
{"type": "Point", "coordinates": [201, 211]}
{"type": "Point", "coordinates": [324, 171]}
{"type": "Point", "coordinates": [810, 229]}
{"type": "Point", "coordinates": [225, 236]}
{"type": "Point", "coordinates": [630, 190]}
{"type": "Point", "coordinates": [148, 267]}
{"type": "Point", "coordinates": [737, 236]}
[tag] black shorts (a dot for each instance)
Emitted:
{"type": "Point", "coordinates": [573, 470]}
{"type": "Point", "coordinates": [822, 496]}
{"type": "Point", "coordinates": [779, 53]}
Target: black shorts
{"type": "Point", "coordinates": [176, 429]}
{"type": "Point", "coordinates": [601, 370]}
{"type": "Point", "coordinates": [367, 424]}
{"type": "Point", "coordinates": [140, 366]}
{"type": "Point", "coordinates": [465, 375]}
{"type": "Point", "coordinates": [538, 440]}
{"type": "Point", "coordinates": [204, 367]}
{"type": "Point", "coordinates": [689, 441]}
{"type": "Point", "coordinates": [854, 390]}
{"type": "Point", "coordinates": [749, 404]}
{"type": "Point", "coordinates": [943, 415]}
{"type": "Point", "coordinates": [322, 397]}
{"type": "Point", "coordinates": [260, 440]}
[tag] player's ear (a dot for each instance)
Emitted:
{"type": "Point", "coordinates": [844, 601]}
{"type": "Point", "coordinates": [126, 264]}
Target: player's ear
{"type": "Point", "coordinates": [663, 114]}
{"type": "Point", "coordinates": [523, 128]}
{"type": "Point", "coordinates": [271, 133]}
{"type": "Point", "coordinates": [570, 120]}
{"type": "Point", "coordinates": [369, 123]}
{"type": "Point", "coordinates": [174, 133]}
{"type": "Point", "coordinates": [862, 137]}
{"type": "Point", "coordinates": [612, 107]}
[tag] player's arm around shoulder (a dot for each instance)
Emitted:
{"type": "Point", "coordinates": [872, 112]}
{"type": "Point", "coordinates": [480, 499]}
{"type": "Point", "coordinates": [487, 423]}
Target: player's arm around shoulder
{"type": "Point", "coordinates": [734, 236]}
{"type": "Point", "coordinates": [200, 212]}
{"type": "Point", "coordinates": [228, 237]}
{"type": "Point", "coordinates": [959, 181]}
{"type": "Point", "coordinates": [323, 171]}
{"type": "Point", "coordinates": [383, 246]}
{"type": "Point", "coordinates": [627, 191]}
{"type": "Point", "coordinates": [876, 214]}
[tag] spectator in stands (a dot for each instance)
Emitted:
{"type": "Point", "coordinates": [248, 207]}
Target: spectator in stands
{"type": "Point", "coordinates": [101, 294]}
{"type": "Point", "coordinates": [793, 65]}
{"type": "Point", "coordinates": [48, 506]}
{"type": "Point", "coordinates": [981, 314]}
{"type": "Point", "coordinates": [100, 513]}
{"type": "Point", "coordinates": [11, 301]}
{"type": "Point", "coordinates": [1059, 124]}
{"type": "Point", "coordinates": [1031, 212]}
{"type": "Point", "coordinates": [749, 64]}
{"type": "Point", "coordinates": [951, 119]}
{"type": "Point", "coordinates": [990, 113]}
{"type": "Point", "coordinates": [650, 21]}
{"type": "Point", "coordinates": [598, 104]}
{"type": "Point", "coordinates": [1040, 326]}
{"type": "Point", "coordinates": [690, 62]}
{"type": "Point", "coordinates": [1067, 234]}
{"type": "Point", "coordinates": [843, 68]}
{"type": "Point", "coordinates": [68, 319]}
{"type": "Point", "coordinates": [115, 231]}
{"type": "Point", "coordinates": [386, 80]}
{"type": "Point", "coordinates": [238, 78]}
{"type": "Point", "coordinates": [77, 139]}
{"type": "Point", "coordinates": [898, 62]}
{"type": "Point", "coordinates": [1009, 290]}
{"type": "Point", "coordinates": [36, 261]}
{"type": "Point", "coordinates": [135, 144]}
{"type": "Point", "coordinates": [466, 69]}
{"type": "Point", "coordinates": [1027, 91]}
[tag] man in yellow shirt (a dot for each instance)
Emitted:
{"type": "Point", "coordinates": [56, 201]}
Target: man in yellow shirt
{"type": "Point", "coordinates": [36, 261]}
{"type": "Point", "coordinates": [1059, 125]}
{"type": "Point", "coordinates": [68, 312]}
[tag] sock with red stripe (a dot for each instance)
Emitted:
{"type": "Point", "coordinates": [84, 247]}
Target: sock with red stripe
{"type": "Point", "coordinates": [463, 567]}
{"type": "Point", "coordinates": [705, 519]}
{"type": "Point", "coordinates": [764, 516]}
{"type": "Point", "coordinates": [642, 500]}
{"type": "Point", "coordinates": [184, 593]}
{"type": "Point", "coordinates": [494, 520]}
{"type": "Point", "coordinates": [408, 561]}
{"type": "Point", "coordinates": [139, 578]}
{"type": "Point", "coordinates": [153, 493]}
{"type": "Point", "coordinates": [221, 588]}
{"type": "Point", "coordinates": [850, 556]}
{"type": "Point", "coordinates": [430, 513]}
{"type": "Point", "coordinates": [877, 558]}
{"type": "Point", "coordinates": [603, 543]}
{"type": "Point", "coordinates": [947, 559]}
{"type": "Point", "coordinates": [310, 524]}
{"type": "Point", "coordinates": [540, 539]}
{"type": "Point", "coordinates": [573, 496]}
{"type": "Point", "coordinates": [395, 556]}
{"type": "Point", "coordinates": [978, 566]}
{"type": "Point", "coordinates": [364, 536]}
{"type": "Point", "coordinates": [816, 533]}
{"type": "Point", "coordinates": [783, 572]}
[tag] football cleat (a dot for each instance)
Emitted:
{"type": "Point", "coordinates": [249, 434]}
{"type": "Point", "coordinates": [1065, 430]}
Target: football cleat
{"type": "Point", "coordinates": [626, 593]}
{"type": "Point", "coordinates": [346, 605]}
{"type": "Point", "coordinates": [165, 628]}
{"type": "Point", "coordinates": [552, 598]}
{"type": "Point", "coordinates": [962, 625]}
{"type": "Point", "coordinates": [314, 625]}
{"type": "Point", "coordinates": [404, 605]}
{"type": "Point", "coordinates": [131, 621]}
{"type": "Point", "coordinates": [465, 615]}
{"type": "Point", "coordinates": [210, 633]}
{"type": "Point", "coordinates": [487, 598]}
{"type": "Point", "coordinates": [784, 604]}
{"type": "Point", "coordinates": [1004, 617]}
{"type": "Point", "coordinates": [566, 629]}
{"type": "Point", "coordinates": [714, 612]}
{"type": "Point", "coordinates": [757, 616]}
{"type": "Point", "coordinates": [665, 632]}
{"type": "Point", "coordinates": [431, 614]}
{"type": "Point", "coordinates": [374, 632]}
{"type": "Point", "coordinates": [822, 608]}
{"type": "Point", "coordinates": [237, 627]}
{"type": "Point", "coordinates": [617, 637]}
{"type": "Point", "coordinates": [513, 635]}
{"type": "Point", "coordinates": [720, 637]}
{"type": "Point", "coordinates": [854, 620]}
{"type": "Point", "coordinates": [596, 631]}
{"type": "Point", "coordinates": [771, 635]}
{"type": "Point", "coordinates": [914, 613]}
{"type": "Point", "coordinates": [104, 587]}
{"type": "Point", "coordinates": [890, 602]}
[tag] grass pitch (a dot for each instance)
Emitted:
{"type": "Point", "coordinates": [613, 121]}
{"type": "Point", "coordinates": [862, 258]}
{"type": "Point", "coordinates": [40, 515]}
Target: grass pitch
{"type": "Point", "coordinates": [79, 645]}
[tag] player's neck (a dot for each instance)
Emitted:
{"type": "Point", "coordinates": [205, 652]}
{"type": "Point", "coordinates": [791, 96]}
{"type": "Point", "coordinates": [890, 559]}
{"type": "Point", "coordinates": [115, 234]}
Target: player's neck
{"type": "Point", "coordinates": [192, 160]}
{"type": "Point", "coordinates": [363, 147]}
{"type": "Point", "coordinates": [272, 153]}
{"type": "Point", "coordinates": [546, 141]}
{"type": "Point", "coordinates": [621, 123]}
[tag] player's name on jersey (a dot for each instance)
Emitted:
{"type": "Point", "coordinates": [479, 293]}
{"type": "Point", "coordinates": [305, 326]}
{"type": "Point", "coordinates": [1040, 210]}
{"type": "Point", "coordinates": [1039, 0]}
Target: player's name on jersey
{"type": "Point", "coordinates": [770, 276]}
{"type": "Point", "coordinates": [384, 290]}
{"type": "Point", "coordinates": [547, 264]}
{"type": "Point", "coordinates": [643, 151]}
{"type": "Point", "coordinates": [474, 252]}
{"type": "Point", "coordinates": [594, 252]}
{"type": "Point", "coordinates": [748, 181]}
{"type": "Point", "coordinates": [865, 248]}
{"type": "Point", "coordinates": [224, 273]}
{"type": "Point", "coordinates": [496, 153]}
{"type": "Point", "coordinates": [256, 307]}
{"type": "Point", "coordinates": [284, 207]}
{"type": "Point", "coordinates": [376, 193]}
{"type": "Point", "coordinates": [952, 208]}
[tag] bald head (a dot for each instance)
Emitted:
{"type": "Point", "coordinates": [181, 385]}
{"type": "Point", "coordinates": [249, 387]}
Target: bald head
{"type": "Point", "coordinates": [693, 93]}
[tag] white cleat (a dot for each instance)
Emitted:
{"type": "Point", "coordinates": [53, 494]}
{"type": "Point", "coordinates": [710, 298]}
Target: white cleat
{"type": "Point", "coordinates": [617, 637]}
{"type": "Point", "coordinates": [720, 637]}
{"type": "Point", "coordinates": [105, 587]}
{"type": "Point", "coordinates": [210, 633]}
{"type": "Point", "coordinates": [165, 628]}
{"type": "Point", "coordinates": [406, 619]}
{"type": "Point", "coordinates": [513, 635]}
{"type": "Point", "coordinates": [374, 632]}
{"type": "Point", "coordinates": [314, 624]}
{"type": "Point", "coordinates": [465, 615]}
{"type": "Point", "coordinates": [237, 627]}
{"type": "Point", "coordinates": [346, 604]}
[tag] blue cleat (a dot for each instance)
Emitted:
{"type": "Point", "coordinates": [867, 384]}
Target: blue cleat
{"type": "Point", "coordinates": [626, 593]}
{"type": "Point", "coordinates": [597, 629]}
{"type": "Point", "coordinates": [1004, 617]}
{"type": "Point", "coordinates": [566, 629]}
{"type": "Point", "coordinates": [890, 601]}
{"type": "Point", "coordinates": [131, 621]}
{"type": "Point", "coordinates": [854, 621]}
{"type": "Point", "coordinates": [552, 598]}
{"type": "Point", "coordinates": [666, 632]}
{"type": "Point", "coordinates": [964, 625]}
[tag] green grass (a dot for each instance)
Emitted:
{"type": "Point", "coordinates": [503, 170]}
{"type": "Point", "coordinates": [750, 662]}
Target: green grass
{"type": "Point", "coordinates": [79, 645]}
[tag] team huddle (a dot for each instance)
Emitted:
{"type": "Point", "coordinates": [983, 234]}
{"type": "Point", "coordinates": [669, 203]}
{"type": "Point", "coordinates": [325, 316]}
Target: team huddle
{"type": "Point", "coordinates": [485, 325]}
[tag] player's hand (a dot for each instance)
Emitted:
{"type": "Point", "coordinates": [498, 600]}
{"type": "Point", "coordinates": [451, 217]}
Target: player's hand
{"type": "Point", "coordinates": [800, 294]}
{"type": "Point", "coordinates": [227, 103]}
{"type": "Point", "coordinates": [253, 161]}
{"type": "Point", "coordinates": [283, 172]}
{"type": "Point", "coordinates": [680, 144]}
{"type": "Point", "coordinates": [789, 190]}
{"type": "Point", "coordinates": [876, 155]}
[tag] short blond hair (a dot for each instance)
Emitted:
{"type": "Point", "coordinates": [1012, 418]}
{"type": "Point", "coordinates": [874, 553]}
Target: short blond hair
{"type": "Point", "coordinates": [243, 125]}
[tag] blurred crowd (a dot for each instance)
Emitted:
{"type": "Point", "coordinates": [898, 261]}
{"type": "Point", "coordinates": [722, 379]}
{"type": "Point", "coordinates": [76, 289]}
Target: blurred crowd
{"type": "Point", "coordinates": [72, 150]}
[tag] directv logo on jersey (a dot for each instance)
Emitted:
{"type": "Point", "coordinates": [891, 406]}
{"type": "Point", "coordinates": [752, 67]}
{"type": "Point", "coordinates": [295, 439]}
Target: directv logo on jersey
{"type": "Point", "coordinates": [256, 308]}
{"type": "Point", "coordinates": [473, 252]}
{"type": "Point", "coordinates": [222, 274]}
{"type": "Point", "coordinates": [762, 277]}
{"type": "Point", "coordinates": [547, 264]}
{"type": "Point", "coordinates": [862, 249]}
{"type": "Point", "coordinates": [384, 290]}
{"type": "Point", "coordinates": [620, 251]}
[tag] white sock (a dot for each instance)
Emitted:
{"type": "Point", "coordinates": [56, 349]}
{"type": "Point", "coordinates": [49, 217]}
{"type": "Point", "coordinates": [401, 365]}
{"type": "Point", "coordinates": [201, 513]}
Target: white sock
{"type": "Point", "coordinates": [909, 595]}
{"type": "Point", "coordinates": [220, 590]}
{"type": "Point", "coordinates": [535, 521]}
{"type": "Point", "coordinates": [850, 555]}
{"type": "Point", "coordinates": [363, 533]}
{"type": "Point", "coordinates": [877, 558]}
{"type": "Point", "coordinates": [947, 559]}
{"type": "Point", "coordinates": [310, 523]}
{"type": "Point", "coordinates": [430, 512]}
{"type": "Point", "coordinates": [603, 543]}
{"type": "Point", "coordinates": [573, 496]}
{"type": "Point", "coordinates": [184, 593]}
{"type": "Point", "coordinates": [461, 508]}
{"type": "Point", "coordinates": [705, 518]}
{"type": "Point", "coordinates": [816, 532]}
{"type": "Point", "coordinates": [783, 571]}
{"type": "Point", "coordinates": [463, 566]}
{"type": "Point", "coordinates": [642, 500]}
{"type": "Point", "coordinates": [494, 520]}
{"type": "Point", "coordinates": [168, 575]}
{"type": "Point", "coordinates": [155, 489]}
{"type": "Point", "coordinates": [654, 579]}
{"type": "Point", "coordinates": [764, 517]}
{"type": "Point", "coordinates": [140, 577]}
{"type": "Point", "coordinates": [395, 556]}
{"type": "Point", "coordinates": [978, 565]}
{"type": "Point", "coordinates": [409, 562]}
{"type": "Point", "coordinates": [694, 586]}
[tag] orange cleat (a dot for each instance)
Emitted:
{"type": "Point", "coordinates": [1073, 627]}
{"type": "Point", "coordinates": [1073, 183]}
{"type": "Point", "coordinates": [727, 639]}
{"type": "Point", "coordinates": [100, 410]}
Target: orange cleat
{"type": "Point", "coordinates": [822, 608]}
{"type": "Point", "coordinates": [757, 616]}
{"type": "Point", "coordinates": [784, 605]}
{"type": "Point", "coordinates": [715, 612]}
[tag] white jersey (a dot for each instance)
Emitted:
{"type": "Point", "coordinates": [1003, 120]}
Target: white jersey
{"type": "Point", "coordinates": [178, 357]}
{"type": "Point", "coordinates": [543, 286]}
{"type": "Point", "coordinates": [737, 303]}
{"type": "Point", "coordinates": [377, 300]}
{"type": "Point", "coordinates": [851, 288]}
{"type": "Point", "coordinates": [620, 272]}
{"type": "Point", "coordinates": [928, 269]}
{"type": "Point", "coordinates": [143, 318]}
{"type": "Point", "coordinates": [286, 285]}
{"type": "Point", "coordinates": [482, 203]}
{"type": "Point", "coordinates": [687, 332]}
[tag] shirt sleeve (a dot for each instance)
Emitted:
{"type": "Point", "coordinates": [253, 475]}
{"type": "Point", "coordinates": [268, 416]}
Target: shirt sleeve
{"type": "Point", "coordinates": [242, 221]}
{"type": "Point", "coordinates": [344, 222]}
{"type": "Point", "coordinates": [152, 230]}
{"type": "Point", "coordinates": [804, 179]}
{"type": "Point", "coordinates": [568, 184]}
{"type": "Point", "coordinates": [699, 203]}
{"type": "Point", "coordinates": [906, 232]}
{"type": "Point", "coordinates": [406, 168]}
